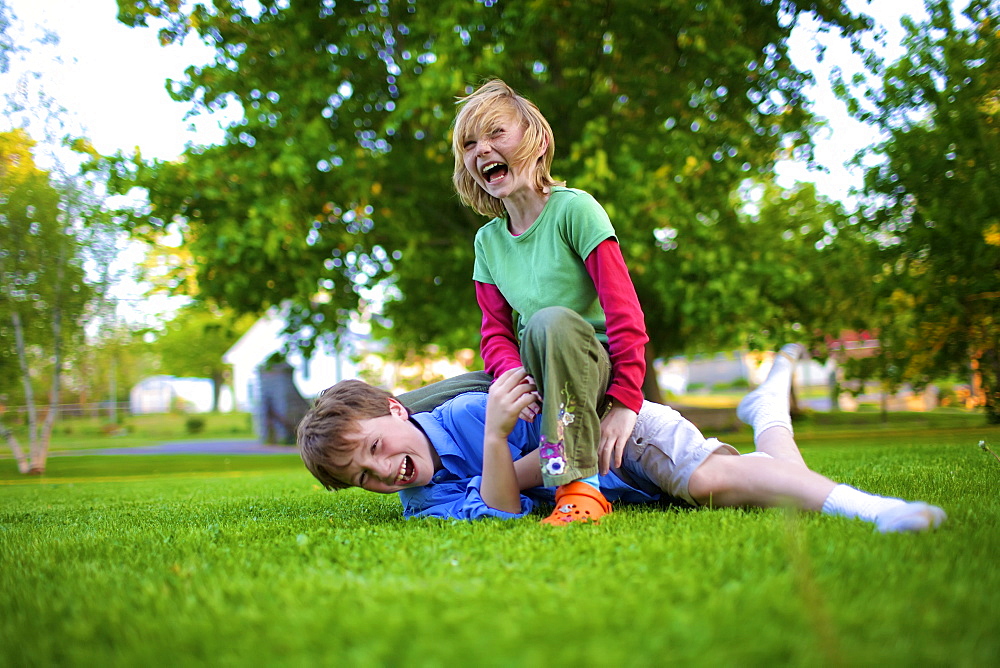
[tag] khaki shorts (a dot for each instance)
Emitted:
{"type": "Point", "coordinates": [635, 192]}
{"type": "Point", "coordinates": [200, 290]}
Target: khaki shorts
{"type": "Point", "coordinates": [664, 451]}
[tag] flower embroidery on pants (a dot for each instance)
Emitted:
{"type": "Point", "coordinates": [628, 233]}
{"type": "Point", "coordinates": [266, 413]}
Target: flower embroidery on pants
{"type": "Point", "coordinates": [553, 457]}
{"type": "Point", "coordinates": [566, 416]}
{"type": "Point", "coordinates": [555, 466]}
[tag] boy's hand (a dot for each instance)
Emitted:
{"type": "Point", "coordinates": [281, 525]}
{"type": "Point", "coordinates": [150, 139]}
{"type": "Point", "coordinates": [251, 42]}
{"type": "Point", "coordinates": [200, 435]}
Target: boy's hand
{"type": "Point", "coordinates": [512, 395]}
{"type": "Point", "coordinates": [616, 427]}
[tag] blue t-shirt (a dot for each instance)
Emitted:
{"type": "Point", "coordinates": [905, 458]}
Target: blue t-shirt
{"type": "Point", "coordinates": [455, 430]}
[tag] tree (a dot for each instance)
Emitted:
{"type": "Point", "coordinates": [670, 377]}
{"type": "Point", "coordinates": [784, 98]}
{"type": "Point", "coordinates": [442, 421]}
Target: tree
{"type": "Point", "coordinates": [933, 198]}
{"type": "Point", "coordinates": [52, 225]}
{"type": "Point", "coordinates": [193, 343]}
{"type": "Point", "coordinates": [42, 287]}
{"type": "Point", "coordinates": [337, 179]}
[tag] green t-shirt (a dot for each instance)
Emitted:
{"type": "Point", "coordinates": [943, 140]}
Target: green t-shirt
{"type": "Point", "coordinates": [544, 266]}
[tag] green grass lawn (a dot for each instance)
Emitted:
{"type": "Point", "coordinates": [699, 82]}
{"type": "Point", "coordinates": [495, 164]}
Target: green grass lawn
{"type": "Point", "coordinates": [205, 560]}
{"type": "Point", "coordinates": [137, 430]}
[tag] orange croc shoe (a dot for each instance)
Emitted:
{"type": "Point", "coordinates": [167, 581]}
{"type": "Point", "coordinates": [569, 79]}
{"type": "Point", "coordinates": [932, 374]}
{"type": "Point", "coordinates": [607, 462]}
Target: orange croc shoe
{"type": "Point", "coordinates": [578, 502]}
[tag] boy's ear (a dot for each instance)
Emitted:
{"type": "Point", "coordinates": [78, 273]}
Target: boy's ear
{"type": "Point", "coordinates": [397, 409]}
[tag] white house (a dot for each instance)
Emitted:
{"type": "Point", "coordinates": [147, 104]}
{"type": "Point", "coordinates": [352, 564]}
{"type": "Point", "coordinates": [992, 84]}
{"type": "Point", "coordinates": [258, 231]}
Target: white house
{"type": "Point", "coordinates": [162, 394]}
{"type": "Point", "coordinates": [264, 338]}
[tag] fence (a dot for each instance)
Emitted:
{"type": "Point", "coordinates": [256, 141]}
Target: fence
{"type": "Point", "coordinates": [110, 410]}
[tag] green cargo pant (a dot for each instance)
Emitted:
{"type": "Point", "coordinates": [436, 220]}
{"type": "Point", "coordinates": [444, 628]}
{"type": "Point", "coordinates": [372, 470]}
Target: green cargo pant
{"type": "Point", "coordinates": [572, 370]}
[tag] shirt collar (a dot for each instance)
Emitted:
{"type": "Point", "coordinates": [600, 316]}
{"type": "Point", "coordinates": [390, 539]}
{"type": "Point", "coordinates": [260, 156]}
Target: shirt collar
{"type": "Point", "coordinates": [447, 449]}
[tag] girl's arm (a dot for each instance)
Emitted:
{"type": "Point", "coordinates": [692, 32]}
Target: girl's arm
{"type": "Point", "coordinates": [626, 342]}
{"type": "Point", "coordinates": [499, 343]}
{"type": "Point", "coordinates": [626, 328]}
{"type": "Point", "coordinates": [509, 395]}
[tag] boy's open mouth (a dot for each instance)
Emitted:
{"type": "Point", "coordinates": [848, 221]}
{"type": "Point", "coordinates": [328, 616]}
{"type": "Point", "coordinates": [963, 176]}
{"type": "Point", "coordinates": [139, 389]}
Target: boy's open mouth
{"type": "Point", "coordinates": [406, 471]}
{"type": "Point", "coordinates": [494, 171]}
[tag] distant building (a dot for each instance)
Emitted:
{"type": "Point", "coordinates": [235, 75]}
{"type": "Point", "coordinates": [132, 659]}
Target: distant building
{"type": "Point", "coordinates": [265, 338]}
{"type": "Point", "coordinates": [277, 393]}
{"type": "Point", "coordinates": [163, 394]}
{"type": "Point", "coordinates": [682, 374]}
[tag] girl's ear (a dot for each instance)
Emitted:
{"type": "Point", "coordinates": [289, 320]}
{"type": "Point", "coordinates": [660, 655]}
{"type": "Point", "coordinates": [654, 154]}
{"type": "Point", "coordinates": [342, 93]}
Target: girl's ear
{"type": "Point", "coordinates": [397, 409]}
{"type": "Point", "coordinates": [544, 148]}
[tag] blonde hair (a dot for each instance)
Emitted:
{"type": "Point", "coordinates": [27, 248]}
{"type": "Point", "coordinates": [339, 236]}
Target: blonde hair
{"type": "Point", "coordinates": [484, 109]}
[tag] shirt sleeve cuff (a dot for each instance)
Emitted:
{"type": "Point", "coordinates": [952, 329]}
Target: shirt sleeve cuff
{"type": "Point", "coordinates": [477, 508]}
{"type": "Point", "coordinates": [630, 400]}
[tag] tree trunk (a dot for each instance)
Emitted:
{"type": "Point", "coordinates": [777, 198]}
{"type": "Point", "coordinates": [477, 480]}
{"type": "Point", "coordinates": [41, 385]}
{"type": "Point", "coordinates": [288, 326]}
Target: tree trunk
{"type": "Point", "coordinates": [793, 403]}
{"type": "Point", "coordinates": [15, 447]}
{"type": "Point", "coordinates": [650, 385]}
{"type": "Point", "coordinates": [989, 378]}
{"type": "Point", "coordinates": [29, 393]}
{"type": "Point", "coordinates": [835, 388]}
{"type": "Point", "coordinates": [216, 389]}
{"type": "Point", "coordinates": [40, 451]}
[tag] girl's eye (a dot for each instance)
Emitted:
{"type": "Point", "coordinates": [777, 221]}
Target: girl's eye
{"type": "Point", "coordinates": [362, 479]}
{"type": "Point", "coordinates": [469, 144]}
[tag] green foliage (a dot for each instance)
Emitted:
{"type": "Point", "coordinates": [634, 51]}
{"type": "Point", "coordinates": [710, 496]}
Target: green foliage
{"type": "Point", "coordinates": [41, 267]}
{"type": "Point", "coordinates": [933, 201]}
{"type": "Point", "coordinates": [194, 341]}
{"type": "Point", "coordinates": [194, 425]}
{"type": "Point", "coordinates": [338, 176]}
{"type": "Point", "coordinates": [224, 561]}
{"type": "Point", "coordinates": [109, 365]}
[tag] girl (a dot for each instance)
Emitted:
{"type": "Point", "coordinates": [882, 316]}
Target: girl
{"type": "Point", "coordinates": [550, 255]}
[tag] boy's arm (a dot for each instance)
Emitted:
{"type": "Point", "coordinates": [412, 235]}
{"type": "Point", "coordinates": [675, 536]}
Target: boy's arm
{"type": "Point", "coordinates": [529, 471]}
{"type": "Point", "coordinates": [509, 395]}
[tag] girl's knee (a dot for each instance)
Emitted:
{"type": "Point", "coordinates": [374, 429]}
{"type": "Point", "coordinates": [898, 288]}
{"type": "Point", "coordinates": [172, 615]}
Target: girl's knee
{"type": "Point", "coordinates": [550, 317]}
{"type": "Point", "coordinates": [556, 323]}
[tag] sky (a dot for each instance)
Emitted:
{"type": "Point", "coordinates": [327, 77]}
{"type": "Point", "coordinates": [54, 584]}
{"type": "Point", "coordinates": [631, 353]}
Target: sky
{"type": "Point", "coordinates": [112, 78]}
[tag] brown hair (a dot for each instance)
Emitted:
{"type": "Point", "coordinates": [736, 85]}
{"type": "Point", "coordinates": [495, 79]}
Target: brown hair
{"type": "Point", "coordinates": [323, 435]}
{"type": "Point", "coordinates": [484, 109]}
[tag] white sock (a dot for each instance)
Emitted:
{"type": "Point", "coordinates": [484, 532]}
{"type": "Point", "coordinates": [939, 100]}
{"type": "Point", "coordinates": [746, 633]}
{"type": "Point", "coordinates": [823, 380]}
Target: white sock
{"type": "Point", "coordinates": [888, 514]}
{"type": "Point", "coordinates": [767, 406]}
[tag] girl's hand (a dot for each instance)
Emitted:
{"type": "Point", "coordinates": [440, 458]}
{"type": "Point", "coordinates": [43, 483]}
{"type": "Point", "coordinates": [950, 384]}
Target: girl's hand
{"type": "Point", "coordinates": [616, 428]}
{"type": "Point", "coordinates": [530, 412]}
{"type": "Point", "coordinates": [511, 396]}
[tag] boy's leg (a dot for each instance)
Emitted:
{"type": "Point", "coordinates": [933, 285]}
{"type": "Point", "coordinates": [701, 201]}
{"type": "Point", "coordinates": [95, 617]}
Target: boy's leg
{"type": "Point", "coordinates": [764, 482]}
{"type": "Point", "coordinates": [668, 454]}
{"type": "Point", "coordinates": [429, 397]}
{"type": "Point", "coordinates": [767, 482]}
{"type": "Point", "coordinates": [766, 409]}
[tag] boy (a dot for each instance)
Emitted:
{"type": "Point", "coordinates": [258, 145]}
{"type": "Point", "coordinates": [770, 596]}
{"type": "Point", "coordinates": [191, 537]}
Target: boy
{"type": "Point", "coordinates": [472, 457]}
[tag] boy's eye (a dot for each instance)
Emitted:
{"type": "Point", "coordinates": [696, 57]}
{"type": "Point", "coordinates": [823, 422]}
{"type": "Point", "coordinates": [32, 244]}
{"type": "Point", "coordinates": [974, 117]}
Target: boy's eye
{"type": "Point", "coordinates": [469, 143]}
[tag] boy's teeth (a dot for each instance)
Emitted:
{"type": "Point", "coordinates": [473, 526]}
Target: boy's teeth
{"type": "Point", "coordinates": [403, 468]}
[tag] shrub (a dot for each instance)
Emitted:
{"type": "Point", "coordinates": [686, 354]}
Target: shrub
{"type": "Point", "coordinates": [194, 425]}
